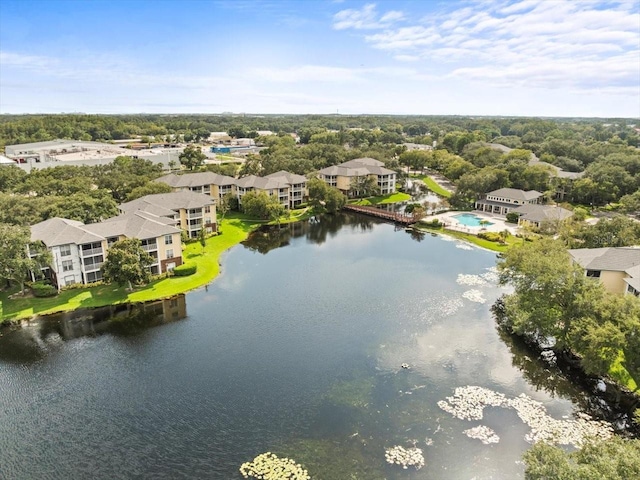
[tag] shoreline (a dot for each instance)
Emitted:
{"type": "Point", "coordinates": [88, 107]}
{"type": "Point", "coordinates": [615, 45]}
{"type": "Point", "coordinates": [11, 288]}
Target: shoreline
{"type": "Point", "coordinates": [234, 231]}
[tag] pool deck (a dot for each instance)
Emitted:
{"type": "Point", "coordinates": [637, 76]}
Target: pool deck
{"type": "Point", "coordinates": [499, 223]}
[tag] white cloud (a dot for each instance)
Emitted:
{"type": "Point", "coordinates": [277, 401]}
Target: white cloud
{"type": "Point", "coordinates": [367, 18]}
{"type": "Point", "coordinates": [535, 43]}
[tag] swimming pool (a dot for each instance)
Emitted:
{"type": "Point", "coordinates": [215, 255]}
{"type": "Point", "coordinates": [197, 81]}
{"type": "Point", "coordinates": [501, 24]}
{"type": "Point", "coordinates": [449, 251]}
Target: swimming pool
{"type": "Point", "coordinates": [471, 220]}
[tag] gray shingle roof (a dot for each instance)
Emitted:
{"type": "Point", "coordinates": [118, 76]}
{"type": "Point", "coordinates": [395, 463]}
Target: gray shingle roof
{"type": "Point", "coordinates": [61, 231]}
{"type": "Point", "coordinates": [287, 177]}
{"type": "Point", "coordinates": [515, 194]}
{"type": "Point", "coordinates": [133, 225]}
{"type": "Point", "coordinates": [542, 213]}
{"type": "Point", "coordinates": [619, 259]}
{"type": "Point", "coordinates": [262, 183]}
{"type": "Point", "coordinates": [197, 179]}
{"type": "Point", "coordinates": [165, 202]}
{"type": "Point", "coordinates": [358, 167]}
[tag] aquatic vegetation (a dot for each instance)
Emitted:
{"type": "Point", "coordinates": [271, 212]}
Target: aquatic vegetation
{"type": "Point", "coordinates": [482, 433]}
{"type": "Point", "coordinates": [474, 296]}
{"type": "Point", "coordinates": [405, 457]}
{"type": "Point", "coordinates": [352, 393]}
{"type": "Point", "coordinates": [470, 280]}
{"type": "Point", "coordinates": [268, 466]}
{"type": "Point", "coordinates": [468, 403]}
{"type": "Point", "coordinates": [355, 457]}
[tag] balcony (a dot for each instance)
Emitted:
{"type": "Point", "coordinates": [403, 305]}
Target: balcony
{"type": "Point", "coordinates": [91, 252]}
{"type": "Point", "coordinates": [150, 247]}
{"type": "Point", "coordinates": [92, 267]}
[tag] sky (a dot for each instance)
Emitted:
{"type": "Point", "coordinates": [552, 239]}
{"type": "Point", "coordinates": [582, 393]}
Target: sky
{"type": "Point", "coordinates": [577, 58]}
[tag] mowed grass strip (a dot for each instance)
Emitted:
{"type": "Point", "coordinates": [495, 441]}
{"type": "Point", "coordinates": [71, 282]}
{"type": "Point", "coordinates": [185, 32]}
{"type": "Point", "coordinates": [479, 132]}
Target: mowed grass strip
{"type": "Point", "coordinates": [433, 186]}
{"type": "Point", "coordinates": [234, 230]}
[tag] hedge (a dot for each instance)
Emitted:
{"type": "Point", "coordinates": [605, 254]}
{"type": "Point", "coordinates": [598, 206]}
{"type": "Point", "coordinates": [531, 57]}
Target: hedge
{"type": "Point", "coordinates": [43, 290]}
{"type": "Point", "coordinates": [491, 236]}
{"type": "Point", "coordinates": [185, 270]}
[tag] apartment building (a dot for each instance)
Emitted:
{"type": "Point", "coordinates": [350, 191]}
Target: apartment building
{"type": "Point", "coordinates": [342, 176]}
{"type": "Point", "coordinates": [192, 211]}
{"type": "Point", "coordinates": [207, 183]}
{"type": "Point", "coordinates": [78, 250]}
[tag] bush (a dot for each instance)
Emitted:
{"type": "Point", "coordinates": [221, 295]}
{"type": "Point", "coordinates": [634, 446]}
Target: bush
{"type": "Point", "coordinates": [435, 223]}
{"type": "Point", "coordinates": [185, 270]}
{"type": "Point", "coordinates": [41, 289]}
{"type": "Point", "coordinates": [491, 236]}
{"type": "Point", "coordinates": [512, 217]}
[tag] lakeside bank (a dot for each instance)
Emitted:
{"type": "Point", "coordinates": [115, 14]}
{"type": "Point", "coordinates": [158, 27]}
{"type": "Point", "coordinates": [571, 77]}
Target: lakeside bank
{"type": "Point", "coordinates": [234, 229]}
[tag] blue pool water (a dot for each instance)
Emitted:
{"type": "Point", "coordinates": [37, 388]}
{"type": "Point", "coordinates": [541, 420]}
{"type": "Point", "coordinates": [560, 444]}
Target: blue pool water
{"type": "Point", "coordinates": [470, 220]}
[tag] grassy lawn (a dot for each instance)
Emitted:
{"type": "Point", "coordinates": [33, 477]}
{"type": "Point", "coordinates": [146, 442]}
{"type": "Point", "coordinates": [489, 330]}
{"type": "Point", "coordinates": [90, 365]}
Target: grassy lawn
{"type": "Point", "coordinates": [383, 199]}
{"type": "Point", "coordinates": [234, 230]}
{"type": "Point", "coordinates": [433, 186]}
{"type": "Point", "coordinates": [481, 242]}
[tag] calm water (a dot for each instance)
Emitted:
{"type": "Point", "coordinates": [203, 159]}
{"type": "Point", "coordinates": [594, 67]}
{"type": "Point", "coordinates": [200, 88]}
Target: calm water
{"type": "Point", "coordinates": [295, 350]}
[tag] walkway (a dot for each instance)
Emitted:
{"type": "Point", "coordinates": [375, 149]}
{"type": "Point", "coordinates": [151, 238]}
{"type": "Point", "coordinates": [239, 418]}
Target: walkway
{"type": "Point", "coordinates": [400, 218]}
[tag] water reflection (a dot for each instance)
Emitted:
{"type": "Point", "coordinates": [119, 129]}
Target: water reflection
{"type": "Point", "coordinates": [316, 230]}
{"type": "Point", "coordinates": [35, 339]}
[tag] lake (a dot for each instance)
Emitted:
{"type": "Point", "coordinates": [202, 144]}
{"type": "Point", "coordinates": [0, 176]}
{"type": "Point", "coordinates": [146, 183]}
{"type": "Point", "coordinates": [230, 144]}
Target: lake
{"type": "Point", "coordinates": [295, 349]}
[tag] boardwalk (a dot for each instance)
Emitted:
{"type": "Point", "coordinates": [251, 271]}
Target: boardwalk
{"type": "Point", "coordinates": [383, 214]}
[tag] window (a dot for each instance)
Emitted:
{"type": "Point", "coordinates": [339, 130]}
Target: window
{"type": "Point", "coordinates": [65, 250]}
{"type": "Point", "coordinates": [593, 273]}
{"type": "Point", "coordinates": [170, 253]}
{"type": "Point", "coordinates": [173, 303]}
{"type": "Point", "coordinates": [168, 239]}
{"type": "Point", "coordinates": [67, 265]}
{"type": "Point", "coordinates": [207, 209]}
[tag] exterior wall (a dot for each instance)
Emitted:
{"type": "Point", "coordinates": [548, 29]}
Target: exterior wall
{"type": "Point", "coordinates": [386, 183]}
{"type": "Point", "coordinates": [92, 257]}
{"type": "Point", "coordinates": [298, 193]}
{"type": "Point", "coordinates": [343, 183]}
{"type": "Point", "coordinates": [613, 281]}
{"type": "Point", "coordinates": [68, 277]}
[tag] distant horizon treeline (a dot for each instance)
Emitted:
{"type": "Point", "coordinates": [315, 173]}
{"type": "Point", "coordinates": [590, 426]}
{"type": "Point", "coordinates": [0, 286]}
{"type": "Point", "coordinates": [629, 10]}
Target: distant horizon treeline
{"type": "Point", "coordinates": [16, 129]}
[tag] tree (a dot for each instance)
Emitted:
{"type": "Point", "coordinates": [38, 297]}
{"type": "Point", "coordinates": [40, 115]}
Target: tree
{"type": "Point", "coordinates": [551, 293]}
{"type": "Point", "coordinates": [150, 188]}
{"type": "Point", "coordinates": [224, 205]}
{"type": "Point", "coordinates": [18, 255]}
{"type": "Point", "coordinates": [323, 198]}
{"type": "Point", "coordinates": [261, 205]}
{"type": "Point", "coordinates": [614, 459]}
{"type": "Point", "coordinates": [363, 186]}
{"type": "Point", "coordinates": [127, 263]}
{"type": "Point", "coordinates": [192, 157]}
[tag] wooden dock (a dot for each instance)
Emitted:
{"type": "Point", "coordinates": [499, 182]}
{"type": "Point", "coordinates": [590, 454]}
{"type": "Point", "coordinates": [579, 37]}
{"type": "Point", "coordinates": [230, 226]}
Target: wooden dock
{"type": "Point", "coordinates": [398, 218]}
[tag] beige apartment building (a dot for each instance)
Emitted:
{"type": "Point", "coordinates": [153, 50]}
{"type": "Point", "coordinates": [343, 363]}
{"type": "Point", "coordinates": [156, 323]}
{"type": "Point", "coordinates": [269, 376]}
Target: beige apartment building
{"type": "Point", "coordinates": [208, 183]}
{"type": "Point", "coordinates": [341, 176]}
{"type": "Point", "coordinates": [617, 268]}
{"type": "Point", "coordinates": [78, 251]}
{"type": "Point", "coordinates": [192, 211]}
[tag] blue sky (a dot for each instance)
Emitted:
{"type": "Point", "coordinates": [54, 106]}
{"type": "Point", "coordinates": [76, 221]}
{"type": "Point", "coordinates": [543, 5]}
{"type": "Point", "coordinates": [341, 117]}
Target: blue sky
{"type": "Point", "coordinates": [485, 57]}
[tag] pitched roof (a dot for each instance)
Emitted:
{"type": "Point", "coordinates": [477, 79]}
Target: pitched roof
{"type": "Point", "coordinates": [287, 177]}
{"type": "Point", "coordinates": [61, 231]}
{"type": "Point", "coordinates": [619, 259]}
{"type": "Point", "coordinates": [542, 213]}
{"type": "Point", "coordinates": [516, 194]}
{"type": "Point", "coordinates": [166, 202]}
{"type": "Point", "coordinates": [262, 183]}
{"type": "Point", "coordinates": [197, 179]}
{"type": "Point", "coordinates": [134, 225]}
{"type": "Point", "coordinates": [357, 168]}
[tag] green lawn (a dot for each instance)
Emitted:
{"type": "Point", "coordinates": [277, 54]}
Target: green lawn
{"type": "Point", "coordinates": [433, 185]}
{"type": "Point", "coordinates": [383, 199]}
{"type": "Point", "coordinates": [481, 242]}
{"type": "Point", "coordinates": [234, 230]}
